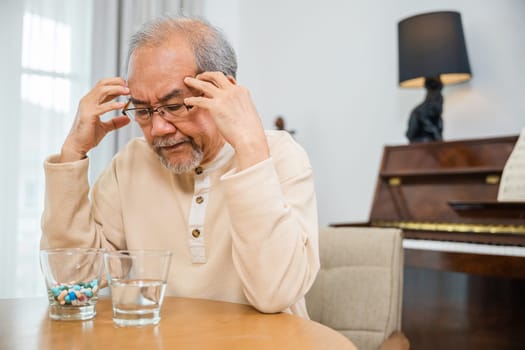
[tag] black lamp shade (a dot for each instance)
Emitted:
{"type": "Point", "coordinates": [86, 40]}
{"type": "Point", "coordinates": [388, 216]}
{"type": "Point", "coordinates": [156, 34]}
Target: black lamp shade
{"type": "Point", "coordinates": [432, 45]}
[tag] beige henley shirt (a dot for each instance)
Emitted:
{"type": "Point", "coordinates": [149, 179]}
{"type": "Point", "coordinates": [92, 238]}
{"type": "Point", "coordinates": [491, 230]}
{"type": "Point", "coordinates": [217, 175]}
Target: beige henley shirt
{"type": "Point", "coordinates": [247, 237]}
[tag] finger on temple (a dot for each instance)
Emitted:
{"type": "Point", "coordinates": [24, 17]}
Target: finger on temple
{"type": "Point", "coordinates": [110, 92]}
{"type": "Point", "coordinates": [112, 81]}
{"type": "Point", "coordinates": [206, 86]}
{"type": "Point", "coordinates": [219, 79]}
{"type": "Point", "coordinates": [116, 123]}
{"type": "Point", "coordinates": [110, 106]}
{"type": "Point", "coordinates": [199, 101]}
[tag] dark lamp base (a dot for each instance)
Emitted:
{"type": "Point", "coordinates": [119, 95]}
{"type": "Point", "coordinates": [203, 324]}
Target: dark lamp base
{"type": "Point", "coordinates": [425, 123]}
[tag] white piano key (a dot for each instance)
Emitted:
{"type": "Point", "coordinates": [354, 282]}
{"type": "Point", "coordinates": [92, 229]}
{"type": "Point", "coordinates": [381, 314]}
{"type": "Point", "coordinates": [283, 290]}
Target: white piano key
{"type": "Point", "coordinates": [461, 247]}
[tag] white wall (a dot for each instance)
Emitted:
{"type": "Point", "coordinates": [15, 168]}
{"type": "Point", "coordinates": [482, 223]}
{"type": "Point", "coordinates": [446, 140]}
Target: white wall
{"type": "Point", "coordinates": [330, 67]}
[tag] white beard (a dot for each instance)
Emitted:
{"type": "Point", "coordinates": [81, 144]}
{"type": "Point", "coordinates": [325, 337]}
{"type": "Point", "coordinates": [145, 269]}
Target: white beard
{"type": "Point", "coordinates": [176, 166]}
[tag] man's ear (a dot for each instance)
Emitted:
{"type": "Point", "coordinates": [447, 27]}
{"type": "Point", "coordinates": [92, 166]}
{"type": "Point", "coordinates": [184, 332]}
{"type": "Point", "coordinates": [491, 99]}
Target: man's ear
{"type": "Point", "coordinates": [232, 79]}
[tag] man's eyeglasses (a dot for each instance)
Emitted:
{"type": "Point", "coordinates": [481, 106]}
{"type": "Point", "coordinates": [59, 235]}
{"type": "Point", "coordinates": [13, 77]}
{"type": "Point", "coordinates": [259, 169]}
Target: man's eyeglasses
{"type": "Point", "coordinates": [171, 112]}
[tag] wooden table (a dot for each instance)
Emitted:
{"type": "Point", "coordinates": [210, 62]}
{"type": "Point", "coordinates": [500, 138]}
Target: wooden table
{"type": "Point", "coordinates": [185, 324]}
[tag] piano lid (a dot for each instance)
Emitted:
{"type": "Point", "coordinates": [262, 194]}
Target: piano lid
{"type": "Point", "coordinates": [448, 189]}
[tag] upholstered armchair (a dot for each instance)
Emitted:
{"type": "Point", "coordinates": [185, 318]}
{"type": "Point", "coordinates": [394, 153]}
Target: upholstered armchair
{"type": "Point", "coordinates": [358, 290]}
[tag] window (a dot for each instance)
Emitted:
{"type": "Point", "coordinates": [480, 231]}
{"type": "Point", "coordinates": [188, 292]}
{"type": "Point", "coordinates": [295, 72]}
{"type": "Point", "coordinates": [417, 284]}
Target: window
{"type": "Point", "coordinates": [51, 41]}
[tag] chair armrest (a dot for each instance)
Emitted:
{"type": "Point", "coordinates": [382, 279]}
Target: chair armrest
{"type": "Point", "coordinates": [396, 341]}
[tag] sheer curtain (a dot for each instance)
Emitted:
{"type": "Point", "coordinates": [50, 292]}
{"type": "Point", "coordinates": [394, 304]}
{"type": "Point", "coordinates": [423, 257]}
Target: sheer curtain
{"type": "Point", "coordinates": [53, 51]}
{"type": "Point", "coordinates": [45, 68]}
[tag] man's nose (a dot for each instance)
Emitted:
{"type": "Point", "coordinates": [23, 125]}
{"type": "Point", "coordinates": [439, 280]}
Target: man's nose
{"type": "Point", "coordinates": [160, 126]}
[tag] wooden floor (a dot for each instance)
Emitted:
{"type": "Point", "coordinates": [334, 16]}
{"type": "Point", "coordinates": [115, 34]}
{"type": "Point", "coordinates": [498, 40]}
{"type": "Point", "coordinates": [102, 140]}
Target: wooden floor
{"type": "Point", "coordinates": [453, 310]}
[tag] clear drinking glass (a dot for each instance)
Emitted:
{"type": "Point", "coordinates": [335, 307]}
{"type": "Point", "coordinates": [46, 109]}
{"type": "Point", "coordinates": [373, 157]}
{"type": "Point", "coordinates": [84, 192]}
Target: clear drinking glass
{"type": "Point", "coordinates": [137, 281]}
{"type": "Point", "coordinates": [72, 278]}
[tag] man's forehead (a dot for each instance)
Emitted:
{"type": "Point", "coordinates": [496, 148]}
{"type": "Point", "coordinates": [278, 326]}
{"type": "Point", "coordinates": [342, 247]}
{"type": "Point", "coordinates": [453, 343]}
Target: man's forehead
{"type": "Point", "coordinates": [174, 93]}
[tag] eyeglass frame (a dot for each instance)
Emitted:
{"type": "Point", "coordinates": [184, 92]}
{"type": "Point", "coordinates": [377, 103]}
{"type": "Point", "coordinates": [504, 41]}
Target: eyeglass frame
{"type": "Point", "coordinates": [160, 110]}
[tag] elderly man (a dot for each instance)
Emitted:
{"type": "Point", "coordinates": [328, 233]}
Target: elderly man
{"type": "Point", "coordinates": [234, 203]}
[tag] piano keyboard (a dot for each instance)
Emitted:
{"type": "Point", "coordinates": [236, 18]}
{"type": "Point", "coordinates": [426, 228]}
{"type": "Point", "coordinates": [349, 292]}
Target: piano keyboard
{"type": "Point", "coordinates": [460, 247]}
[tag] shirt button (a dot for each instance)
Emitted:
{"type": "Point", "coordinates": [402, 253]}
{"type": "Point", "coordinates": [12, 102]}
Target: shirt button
{"type": "Point", "coordinates": [199, 199]}
{"type": "Point", "coordinates": [196, 233]}
{"type": "Point", "coordinates": [198, 170]}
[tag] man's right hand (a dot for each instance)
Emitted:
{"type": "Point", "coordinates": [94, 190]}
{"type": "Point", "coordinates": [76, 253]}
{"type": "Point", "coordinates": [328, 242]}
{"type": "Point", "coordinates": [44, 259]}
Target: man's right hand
{"type": "Point", "coordinates": [88, 130]}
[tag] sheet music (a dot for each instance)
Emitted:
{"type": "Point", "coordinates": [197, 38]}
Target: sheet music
{"type": "Point", "coordinates": [512, 184]}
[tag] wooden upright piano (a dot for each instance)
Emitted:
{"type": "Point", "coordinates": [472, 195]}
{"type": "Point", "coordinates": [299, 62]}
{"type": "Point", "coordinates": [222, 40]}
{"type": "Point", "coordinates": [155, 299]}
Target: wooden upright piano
{"type": "Point", "coordinates": [464, 280]}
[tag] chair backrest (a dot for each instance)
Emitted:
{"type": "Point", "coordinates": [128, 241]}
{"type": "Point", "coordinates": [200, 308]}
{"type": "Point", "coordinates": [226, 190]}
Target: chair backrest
{"type": "Point", "coordinates": [358, 290]}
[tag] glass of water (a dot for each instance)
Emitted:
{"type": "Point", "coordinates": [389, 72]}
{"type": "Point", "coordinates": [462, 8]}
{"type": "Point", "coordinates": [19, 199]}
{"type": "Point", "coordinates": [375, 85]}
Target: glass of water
{"type": "Point", "coordinates": [137, 281]}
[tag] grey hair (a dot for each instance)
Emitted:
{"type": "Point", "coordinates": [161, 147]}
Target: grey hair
{"type": "Point", "coordinates": [212, 50]}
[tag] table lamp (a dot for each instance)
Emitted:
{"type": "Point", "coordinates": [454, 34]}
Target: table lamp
{"type": "Point", "coordinates": [432, 53]}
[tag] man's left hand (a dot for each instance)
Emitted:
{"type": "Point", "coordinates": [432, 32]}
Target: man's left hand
{"type": "Point", "coordinates": [234, 113]}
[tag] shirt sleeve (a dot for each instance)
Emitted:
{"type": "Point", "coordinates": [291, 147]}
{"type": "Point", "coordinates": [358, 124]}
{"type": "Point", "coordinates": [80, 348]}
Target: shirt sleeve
{"type": "Point", "coordinates": [68, 219]}
{"type": "Point", "coordinates": [273, 211]}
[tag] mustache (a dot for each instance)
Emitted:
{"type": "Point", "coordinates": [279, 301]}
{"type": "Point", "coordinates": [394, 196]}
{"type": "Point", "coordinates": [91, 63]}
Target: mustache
{"type": "Point", "coordinates": [167, 141]}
